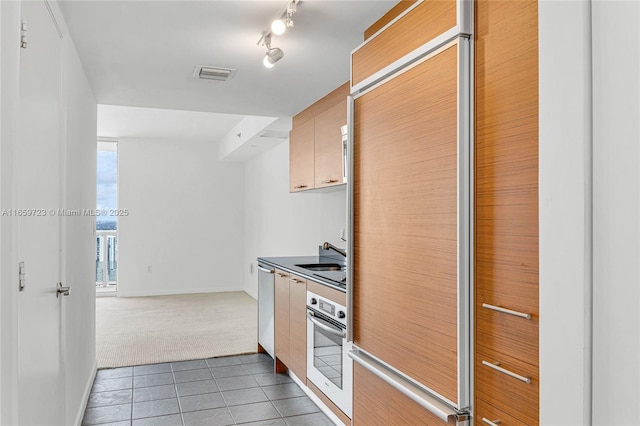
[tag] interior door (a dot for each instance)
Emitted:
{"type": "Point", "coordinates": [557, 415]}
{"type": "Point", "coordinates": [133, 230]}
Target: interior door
{"type": "Point", "coordinates": [41, 397]}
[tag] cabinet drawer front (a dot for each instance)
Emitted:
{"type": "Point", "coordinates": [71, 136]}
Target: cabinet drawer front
{"type": "Point", "coordinates": [507, 334]}
{"type": "Point", "coordinates": [378, 403]}
{"type": "Point", "coordinates": [506, 389]}
{"type": "Point", "coordinates": [422, 23]}
{"type": "Point", "coordinates": [486, 414]}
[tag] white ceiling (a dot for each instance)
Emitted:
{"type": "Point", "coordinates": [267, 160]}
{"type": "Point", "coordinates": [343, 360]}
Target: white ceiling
{"type": "Point", "coordinates": [142, 53]}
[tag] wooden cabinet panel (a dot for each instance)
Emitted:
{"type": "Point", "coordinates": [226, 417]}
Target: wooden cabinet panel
{"type": "Point", "coordinates": [506, 202]}
{"type": "Point", "coordinates": [301, 152]}
{"type": "Point", "coordinates": [375, 403]}
{"type": "Point", "coordinates": [507, 334]}
{"type": "Point", "coordinates": [328, 145]}
{"type": "Point", "coordinates": [485, 411]}
{"type": "Point", "coordinates": [509, 394]}
{"type": "Point", "coordinates": [281, 317]}
{"type": "Point", "coordinates": [405, 222]}
{"type": "Point", "coordinates": [298, 326]}
{"type": "Point", "coordinates": [432, 17]}
{"type": "Point", "coordinates": [396, 10]}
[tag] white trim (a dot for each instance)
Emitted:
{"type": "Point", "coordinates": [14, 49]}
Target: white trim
{"type": "Point", "coordinates": [179, 291]}
{"type": "Point", "coordinates": [86, 394]}
{"type": "Point", "coordinates": [416, 55]}
{"type": "Point", "coordinates": [316, 399]}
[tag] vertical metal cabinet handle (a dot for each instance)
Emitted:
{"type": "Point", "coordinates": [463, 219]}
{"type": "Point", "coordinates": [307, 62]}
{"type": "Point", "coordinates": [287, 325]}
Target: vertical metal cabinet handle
{"type": "Point", "coordinates": [497, 367]}
{"type": "Point", "coordinates": [506, 311]}
{"type": "Point", "coordinates": [489, 422]}
{"type": "Point", "coordinates": [329, 181]}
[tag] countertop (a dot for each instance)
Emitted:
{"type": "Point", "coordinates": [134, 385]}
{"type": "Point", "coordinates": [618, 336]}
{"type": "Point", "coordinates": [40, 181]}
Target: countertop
{"type": "Point", "coordinates": [333, 279]}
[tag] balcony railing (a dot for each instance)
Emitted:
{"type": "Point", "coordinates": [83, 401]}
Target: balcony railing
{"type": "Point", "coordinates": [106, 258]}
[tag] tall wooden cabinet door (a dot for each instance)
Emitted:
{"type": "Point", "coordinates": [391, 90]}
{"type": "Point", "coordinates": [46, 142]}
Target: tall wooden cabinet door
{"type": "Point", "coordinates": [298, 326]}
{"type": "Point", "coordinates": [281, 314]}
{"type": "Point", "coordinates": [405, 235]}
{"type": "Point", "coordinates": [301, 153]}
{"type": "Point", "coordinates": [328, 145]}
{"type": "Point", "coordinates": [506, 207]}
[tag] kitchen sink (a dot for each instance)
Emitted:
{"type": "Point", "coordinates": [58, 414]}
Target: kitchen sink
{"type": "Point", "coordinates": [323, 266]}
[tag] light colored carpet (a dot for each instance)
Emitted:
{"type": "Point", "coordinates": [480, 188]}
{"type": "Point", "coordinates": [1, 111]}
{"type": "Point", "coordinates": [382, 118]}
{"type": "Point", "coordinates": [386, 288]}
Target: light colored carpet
{"type": "Point", "coordinates": [149, 330]}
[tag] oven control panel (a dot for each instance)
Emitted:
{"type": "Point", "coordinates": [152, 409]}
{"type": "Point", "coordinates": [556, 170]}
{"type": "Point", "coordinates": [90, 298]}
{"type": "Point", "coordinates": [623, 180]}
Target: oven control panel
{"type": "Point", "coordinates": [327, 307]}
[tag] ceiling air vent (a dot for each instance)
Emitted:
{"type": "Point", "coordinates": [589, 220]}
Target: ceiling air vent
{"type": "Point", "coordinates": [205, 72]}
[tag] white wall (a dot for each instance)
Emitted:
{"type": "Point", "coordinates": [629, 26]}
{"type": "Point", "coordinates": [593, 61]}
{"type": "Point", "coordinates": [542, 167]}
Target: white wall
{"type": "Point", "coordinates": [589, 357]}
{"type": "Point", "coordinates": [186, 219]}
{"type": "Point", "coordinates": [564, 212]}
{"type": "Point", "coordinates": [79, 179]}
{"type": "Point", "coordinates": [79, 115]}
{"type": "Point", "coordinates": [278, 223]}
{"type": "Point", "coordinates": [616, 191]}
{"type": "Point", "coordinates": [9, 57]}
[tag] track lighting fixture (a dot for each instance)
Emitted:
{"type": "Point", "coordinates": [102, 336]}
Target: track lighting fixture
{"type": "Point", "coordinates": [278, 27]}
{"type": "Point", "coordinates": [273, 54]}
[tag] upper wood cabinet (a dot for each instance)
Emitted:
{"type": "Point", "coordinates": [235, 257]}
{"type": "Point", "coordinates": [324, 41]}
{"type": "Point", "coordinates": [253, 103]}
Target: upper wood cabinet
{"type": "Point", "coordinates": [301, 157]}
{"type": "Point", "coordinates": [328, 145]}
{"type": "Point", "coordinates": [413, 24]}
{"type": "Point", "coordinates": [315, 143]}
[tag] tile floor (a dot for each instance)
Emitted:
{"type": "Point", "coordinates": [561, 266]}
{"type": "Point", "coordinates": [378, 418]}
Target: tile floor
{"type": "Point", "coordinates": [217, 391]}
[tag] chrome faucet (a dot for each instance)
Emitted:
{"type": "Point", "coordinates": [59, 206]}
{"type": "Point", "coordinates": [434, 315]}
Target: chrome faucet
{"type": "Point", "coordinates": [328, 246]}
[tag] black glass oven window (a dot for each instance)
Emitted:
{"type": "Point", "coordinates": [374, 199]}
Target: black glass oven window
{"type": "Point", "coordinates": [327, 355]}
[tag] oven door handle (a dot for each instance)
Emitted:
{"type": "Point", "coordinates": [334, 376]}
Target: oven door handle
{"type": "Point", "coordinates": [326, 326]}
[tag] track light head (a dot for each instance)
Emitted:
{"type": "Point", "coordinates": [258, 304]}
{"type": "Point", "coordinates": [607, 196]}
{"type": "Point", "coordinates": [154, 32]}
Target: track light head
{"type": "Point", "coordinates": [272, 56]}
{"type": "Point", "coordinates": [278, 27]}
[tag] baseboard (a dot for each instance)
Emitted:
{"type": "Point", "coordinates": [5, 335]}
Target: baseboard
{"type": "Point", "coordinates": [316, 400]}
{"type": "Point", "coordinates": [172, 292]}
{"type": "Point", "coordinates": [87, 393]}
{"type": "Point", "coordinates": [252, 294]}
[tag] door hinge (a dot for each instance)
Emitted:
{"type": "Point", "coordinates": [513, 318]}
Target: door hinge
{"type": "Point", "coordinates": [23, 34]}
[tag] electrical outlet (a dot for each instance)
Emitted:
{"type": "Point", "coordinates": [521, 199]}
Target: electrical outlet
{"type": "Point", "coordinates": [149, 269]}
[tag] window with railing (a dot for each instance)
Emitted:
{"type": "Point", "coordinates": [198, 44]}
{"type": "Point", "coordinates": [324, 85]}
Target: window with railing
{"type": "Point", "coordinates": [107, 225]}
{"type": "Point", "coordinates": [106, 258]}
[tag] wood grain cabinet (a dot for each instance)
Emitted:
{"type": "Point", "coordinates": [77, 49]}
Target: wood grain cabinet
{"type": "Point", "coordinates": [506, 213]}
{"type": "Point", "coordinates": [281, 318]}
{"type": "Point", "coordinates": [298, 326]}
{"type": "Point", "coordinates": [290, 326]}
{"type": "Point", "coordinates": [432, 18]}
{"type": "Point", "coordinates": [315, 143]}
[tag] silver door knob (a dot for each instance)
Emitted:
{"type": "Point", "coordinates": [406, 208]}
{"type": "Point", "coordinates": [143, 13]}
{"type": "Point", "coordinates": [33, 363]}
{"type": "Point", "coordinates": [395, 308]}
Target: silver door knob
{"type": "Point", "coordinates": [60, 290]}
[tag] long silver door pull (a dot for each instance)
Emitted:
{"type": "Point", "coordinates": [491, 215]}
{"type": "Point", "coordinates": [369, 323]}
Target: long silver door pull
{"type": "Point", "coordinates": [497, 367]}
{"type": "Point", "coordinates": [506, 311]}
{"type": "Point", "coordinates": [269, 271]}
{"type": "Point", "coordinates": [489, 422]}
{"type": "Point", "coordinates": [60, 290]}
{"type": "Point", "coordinates": [326, 326]}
